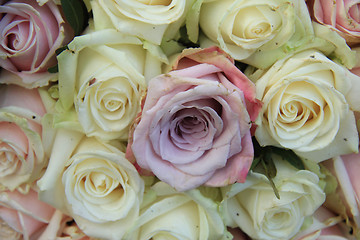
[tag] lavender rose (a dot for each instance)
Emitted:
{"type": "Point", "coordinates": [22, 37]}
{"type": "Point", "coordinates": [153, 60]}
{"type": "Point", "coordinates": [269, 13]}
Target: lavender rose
{"type": "Point", "coordinates": [195, 123]}
{"type": "Point", "coordinates": [29, 36]}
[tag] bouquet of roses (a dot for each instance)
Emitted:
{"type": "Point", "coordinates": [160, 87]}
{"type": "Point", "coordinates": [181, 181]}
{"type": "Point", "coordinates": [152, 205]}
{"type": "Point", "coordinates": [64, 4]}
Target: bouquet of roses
{"type": "Point", "coordinates": [179, 119]}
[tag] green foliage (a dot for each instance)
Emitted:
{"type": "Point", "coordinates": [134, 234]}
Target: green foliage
{"type": "Point", "coordinates": [76, 14]}
{"type": "Point", "coordinates": [263, 161]}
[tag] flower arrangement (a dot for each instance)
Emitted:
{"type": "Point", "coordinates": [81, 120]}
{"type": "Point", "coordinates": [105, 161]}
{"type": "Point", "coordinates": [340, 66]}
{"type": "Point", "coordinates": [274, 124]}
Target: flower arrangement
{"type": "Point", "coordinates": [179, 119]}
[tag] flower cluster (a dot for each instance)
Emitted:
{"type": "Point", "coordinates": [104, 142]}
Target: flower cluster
{"type": "Point", "coordinates": [179, 119]}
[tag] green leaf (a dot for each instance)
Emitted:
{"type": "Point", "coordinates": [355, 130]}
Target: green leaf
{"type": "Point", "coordinates": [269, 174]}
{"type": "Point", "coordinates": [289, 156]}
{"type": "Point", "coordinates": [53, 69]}
{"type": "Point", "coordinates": [76, 14]}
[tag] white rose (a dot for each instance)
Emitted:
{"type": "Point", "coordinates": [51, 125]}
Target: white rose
{"type": "Point", "coordinates": [254, 208]}
{"type": "Point", "coordinates": [251, 27]}
{"type": "Point", "coordinates": [178, 215]}
{"type": "Point", "coordinates": [94, 183]}
{"type": "Point", "coordinates": [308, 106]}
{"type": "Point", "coordinates": [147, 19]}
{"type": "Point", "coordinates": [102, 74]}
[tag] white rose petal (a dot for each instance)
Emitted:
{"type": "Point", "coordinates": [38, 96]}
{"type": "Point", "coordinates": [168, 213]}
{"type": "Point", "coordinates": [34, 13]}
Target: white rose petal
{"type": "Point", "coordinates": [254, 208]}
{"type": "Point", "coordinates": [308, 105]}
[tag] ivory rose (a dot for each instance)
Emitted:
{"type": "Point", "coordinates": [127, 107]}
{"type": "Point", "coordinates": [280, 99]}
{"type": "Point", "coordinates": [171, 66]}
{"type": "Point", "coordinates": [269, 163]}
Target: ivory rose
{"type": "Point", "coordinates": [147, 19]}
{"type": "Point", "coordinates": [30, 34]}
{"type": "Point", "coordinates": [346, 200]}
{"type": "Point", "coordinates": [21, 149]}
{"type": "Point", "coordinates": [93, 183]}
{"type": "Point", "coordinates": [254, 208]}
{"type": "Point", "coordinates": [24, 213]}
{"type": "Point", "coordinates": [175, 215]}
{"type": "Point", "coordinates": [248, 29]}
{"type": "Point", "coordinates": [308, 106]}
{"type": "Point", "coordinates": [195, 125]}
{"type": "Point", "coordinates": [341, 16]}
{"type": "Point", "coordinates": [103, 74]}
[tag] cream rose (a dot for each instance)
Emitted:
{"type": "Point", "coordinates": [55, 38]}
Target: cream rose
{"type": "Point", "coordinates": [103, 74]}
{"type": "Point", "coordinates": [147, 19]}
{"type": "Point", "coordinates": [175, 215]}
{"type": "Point", "coordinates": [254, 208]}
{"type": "Point", "coordinates": [93, 183]}
{"type": "Point", "coordinates": [308, 106]}
{"type": "Point", "coordinates": [22, 153]}
{"type": "Point", "coordinates": [245, 29]}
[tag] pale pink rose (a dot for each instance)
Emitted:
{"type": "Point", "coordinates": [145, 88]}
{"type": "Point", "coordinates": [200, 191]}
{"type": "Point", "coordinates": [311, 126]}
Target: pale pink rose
{"type": "Point", "coordinates": [22, 153]}
{"type": "Point", "coordinates": [24, 213]}
{"type": "Point", "coordinates": [29, 36]}
{"type": "Point", "coordinates": [325, 226]}
{"type": "Point", "coordinates": [62, 227]}
{"type": "Point", "coordinates": [346, 200]}
{"type": "Point", "coordinates": [195, 123]}
{"type": "Point", "coordinates": [342, 16]}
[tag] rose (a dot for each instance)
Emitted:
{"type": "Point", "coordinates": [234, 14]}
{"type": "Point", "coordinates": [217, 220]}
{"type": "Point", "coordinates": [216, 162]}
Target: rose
{"type": "Point", "coordinates": [24, 213]}
{"type": "Point", "coordinates": [345, 201]}
{"type": "Point", "coordinates": [308, 106]}
{"type": "Point", "coordinates": [246, 29]}
{"type": "Point", "coordinates": [21, 149]}
{"type": "Point", "coordinates": [62, 227]}
{"type": "Point", "coordinates": [92, 182]}
{"type": "Point", "coordinates": [195, 123]}
{"type": "Point", "coordinates": [105, 71]}
{"type": "Point", "coordinates": [254, 208]}
{"type": "Point", "coordinates": [30, 34]}
{"type": "Point", "coordinates": [339, 16]}
{"type": "Point", "coordinates": [146, 19]}
{"type": "Point", "coordinates": [325, 225]}
{"type": "Point", "coordinates": [175, 215]}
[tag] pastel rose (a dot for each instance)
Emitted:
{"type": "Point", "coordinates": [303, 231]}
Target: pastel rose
{"type": "Point", "coordinates": [325, 226]}
{"type": "Point", "coordinates": [248, 29]}
{"type": "Point", "coordinates": [178, 215]}
{"type": "Point", "coordinates": [62, 227]}
{"type": "Point", "coordinates": [346, 199]}
{"type": "Point", "coordinates": [253, 207]}
{"type": "Point", "coordinates": [30, 34]}
{"type": "Point", "coordinates": [24, 213]}
{"type": "Point", "coordinates": [147, 19]}
{"type": "Point", "coordinates": [103, 74]}
{"type": "Point", "coordinates": [309, 104]}
{"type": "Point", "coordinates": [195, 123]}
{"type": "Point", "coordinates": [21, 149]}
{"type": "Point", "coordinates": [341, 16]}
{"type": "Point", "coordinates": [93, 183]}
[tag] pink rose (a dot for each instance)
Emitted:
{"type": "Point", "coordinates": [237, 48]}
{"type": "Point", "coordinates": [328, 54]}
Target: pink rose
{"type": "Point", "coordinates": [29, 36]}
{"type": "Point", "coordinates": [195, 123]}
{"type": "Point", "coordinates": [21, 150]}
{"type": "Point", "coordinates": [346, 200]}
{"type": "Point", "coordinates": [325, 226]}
{"type": "Point", "coordinates": [62, 227]}
{"type": "Point", "coordinates": [24, 213]}
{"type": "Point", "coordinates": [341, 15]}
